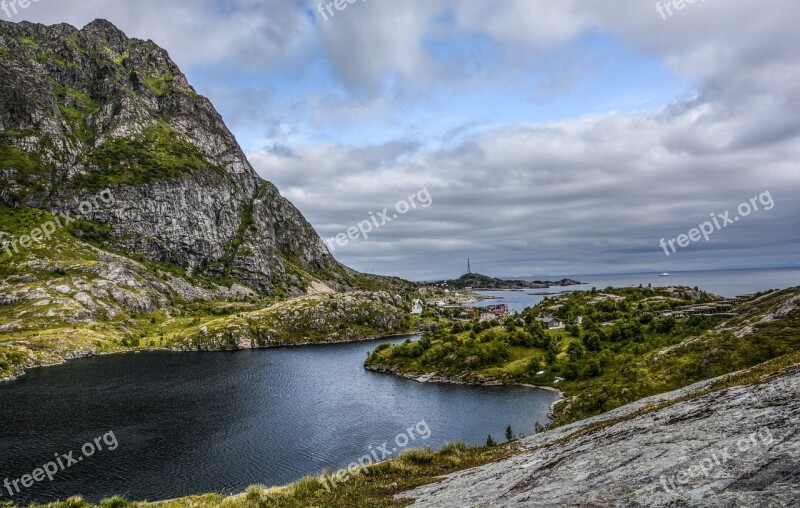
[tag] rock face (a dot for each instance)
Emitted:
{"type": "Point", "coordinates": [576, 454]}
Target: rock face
{"type": "Point", "coordinates": [736, 447]}
{"type": "Point", "coordinates": [90, 109]}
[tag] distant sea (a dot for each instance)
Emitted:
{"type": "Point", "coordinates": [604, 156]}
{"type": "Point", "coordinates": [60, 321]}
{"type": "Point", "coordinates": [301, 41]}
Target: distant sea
{"type": "Point", "coordinates": [721, 282]}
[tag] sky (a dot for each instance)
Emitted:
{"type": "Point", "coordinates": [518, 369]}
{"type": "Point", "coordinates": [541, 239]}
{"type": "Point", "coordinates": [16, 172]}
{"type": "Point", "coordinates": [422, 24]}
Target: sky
{"type": "Point", "coordinates": [546, 137]}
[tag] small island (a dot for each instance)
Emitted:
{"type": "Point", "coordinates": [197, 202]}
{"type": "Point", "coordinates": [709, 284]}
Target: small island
{"type": "Point", "coordinates": [476, 281]}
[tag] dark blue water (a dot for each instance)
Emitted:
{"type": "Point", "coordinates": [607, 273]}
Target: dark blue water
{"type": "Point", "coordinates": [217, 422]}
{"type": "Point", "coordinates": [727, 283]}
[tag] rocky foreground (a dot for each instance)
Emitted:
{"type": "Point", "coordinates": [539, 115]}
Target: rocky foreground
{"type": "Point", "coordinates": [736, 447]}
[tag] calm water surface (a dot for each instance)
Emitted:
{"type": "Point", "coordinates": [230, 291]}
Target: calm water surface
{"type": "Point", "coordinates": [217, 422]}
{"type": "Point", "coordinates": [722, 282]}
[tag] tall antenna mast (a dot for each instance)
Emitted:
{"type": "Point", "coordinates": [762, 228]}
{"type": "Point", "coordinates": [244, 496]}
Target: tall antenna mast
{"type": "Point", "coordinates": [469, 268]}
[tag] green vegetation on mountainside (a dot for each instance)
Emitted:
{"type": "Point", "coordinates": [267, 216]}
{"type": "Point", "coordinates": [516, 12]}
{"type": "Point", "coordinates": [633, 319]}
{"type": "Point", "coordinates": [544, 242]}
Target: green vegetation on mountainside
{"type": "Point", "coordinates": [625, 350]}
{"type": "Point", "coordinates": [158, 153]}
{"type": "Point", "coordinates": [317, 318]}
{"type": "Point", "coordinates": [61, 296]}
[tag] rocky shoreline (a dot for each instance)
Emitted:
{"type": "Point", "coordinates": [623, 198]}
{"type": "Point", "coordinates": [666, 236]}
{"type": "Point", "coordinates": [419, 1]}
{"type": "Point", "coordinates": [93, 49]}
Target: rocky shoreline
{"type": "Point", "coordinates": [438, 377]}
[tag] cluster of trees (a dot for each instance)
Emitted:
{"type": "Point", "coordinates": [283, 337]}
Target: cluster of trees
{"type": "Point", "coordinates": [612, 329]}
{"type": "Point", "coordinates": [446, 349]}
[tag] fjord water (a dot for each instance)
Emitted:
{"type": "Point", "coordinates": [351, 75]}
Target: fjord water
{"type": "Point", "coordinates": [217, 422]}
{"type": "Point", "coordinates": [728, 283]}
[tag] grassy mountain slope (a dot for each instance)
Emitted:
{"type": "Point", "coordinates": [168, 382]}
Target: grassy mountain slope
{"type": "Point", "coordinates": [63, 297]}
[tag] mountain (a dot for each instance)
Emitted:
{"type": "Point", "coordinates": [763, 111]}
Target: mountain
{"type": "Point", "coordinates": [478, 281]}
{"type": "Point", "coordinates": [130, 217]}
{"type": "Point", "coordinates": [91, 109]}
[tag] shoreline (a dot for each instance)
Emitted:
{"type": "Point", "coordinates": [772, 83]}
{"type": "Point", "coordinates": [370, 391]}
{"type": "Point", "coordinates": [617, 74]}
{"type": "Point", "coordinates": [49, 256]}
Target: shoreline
{"type": "Point", "coordinates": [438, 377]}
{"type": "Point", "coordinates": [84, 354]}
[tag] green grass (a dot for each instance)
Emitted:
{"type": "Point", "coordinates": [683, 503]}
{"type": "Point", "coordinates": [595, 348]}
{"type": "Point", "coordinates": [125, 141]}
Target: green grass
{"type": "Point", "coordinates": [160, 85]}
{"type": "Point", "coordinates": [158, 153]}
{"type": "Point", "coordinates": [29, 42]}
{"type": "Point", "coordinates": [121, 58]}
{"type": "Point", "coordinates": [77, 106]}
{"type": "Point", "coordinates": [24, 170]}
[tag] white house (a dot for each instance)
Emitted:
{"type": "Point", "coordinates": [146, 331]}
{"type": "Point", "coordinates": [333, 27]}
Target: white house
{"type": "Point", "coordinates": [550, 323]}
{"type": "Point", "coordinates": [416, 307]}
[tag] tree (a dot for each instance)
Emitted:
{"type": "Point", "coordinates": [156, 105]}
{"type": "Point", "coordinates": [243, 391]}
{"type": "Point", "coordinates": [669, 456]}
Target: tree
{"type": "Point", "coordinates": [593, 368]}
{"type": "Point", "coordinates": [509, 433]}
{"type": "Point", "coordinates": [551, 354]}
{"type": "Point", "coordinates": [538, 427]}
{"type": "Point", "coordinates": [490, 441]}
{"type": "Point", "coordinates": [571, 371]}
{"type": "Point", "coordinates": [592, 342]}
{"type": "Point", "coordinates": [576, 351]}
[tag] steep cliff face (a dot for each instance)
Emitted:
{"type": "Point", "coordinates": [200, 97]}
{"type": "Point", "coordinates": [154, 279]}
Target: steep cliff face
{"type": "Point", "coordinates": [90, 109]}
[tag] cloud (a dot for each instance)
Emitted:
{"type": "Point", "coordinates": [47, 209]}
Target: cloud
{"type": "Point", "coordinates": [355, 113]}
{"type": "Point", "coordinates": [592, 193]}
{"type": "Point", "coordinates": [248, 35]}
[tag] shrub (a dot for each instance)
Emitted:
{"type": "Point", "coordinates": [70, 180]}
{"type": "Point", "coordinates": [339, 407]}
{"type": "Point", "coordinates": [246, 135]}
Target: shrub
{"type": "Point", "coordinates": [256, 494]}
{"type": "Point", "coordinates": [576, 351]}
{"type": "Point", "coordinates": [454, 448]}
{"type": "Point", "coordinates": [115, 502]}
{"type": "Point", "coordinates": [306, 487]}
{"type": "Point", "coordinates": [418, 456]}
{"type": "Point", "coordinates": [592, 342]}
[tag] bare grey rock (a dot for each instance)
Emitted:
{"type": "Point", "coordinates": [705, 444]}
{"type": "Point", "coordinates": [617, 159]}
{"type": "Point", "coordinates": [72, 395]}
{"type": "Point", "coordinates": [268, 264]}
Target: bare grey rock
{"type": "Point", "coordinates": [736, 447]}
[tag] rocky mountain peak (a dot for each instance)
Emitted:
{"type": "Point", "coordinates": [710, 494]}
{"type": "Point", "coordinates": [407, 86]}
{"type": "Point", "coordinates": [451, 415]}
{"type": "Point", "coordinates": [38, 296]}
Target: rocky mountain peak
{"type": "Point", "coordinates": [92, 109]}
{"type": "Point", "coordinates": [105, 30]}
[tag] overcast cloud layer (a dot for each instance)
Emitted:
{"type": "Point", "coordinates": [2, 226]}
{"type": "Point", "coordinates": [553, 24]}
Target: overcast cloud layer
{"type": "Point", "coordinates": [556, 138]}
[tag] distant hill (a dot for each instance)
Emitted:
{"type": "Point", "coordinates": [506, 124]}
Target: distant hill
{"type": "Point", "coordinates": [478, 281]}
